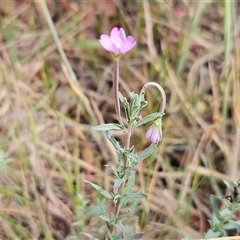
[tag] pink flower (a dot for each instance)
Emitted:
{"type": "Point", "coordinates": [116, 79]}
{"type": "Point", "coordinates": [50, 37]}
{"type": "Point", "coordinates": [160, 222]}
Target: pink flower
{"type": "Point", "coordinates": [154, 133]}
{"type": "Point", "coordinates": [117, 42]}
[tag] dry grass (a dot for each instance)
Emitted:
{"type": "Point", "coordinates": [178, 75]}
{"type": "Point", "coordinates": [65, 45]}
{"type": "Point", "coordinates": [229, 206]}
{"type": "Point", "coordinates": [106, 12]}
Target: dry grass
{"type": "Point", "coordinates": [45, 125]}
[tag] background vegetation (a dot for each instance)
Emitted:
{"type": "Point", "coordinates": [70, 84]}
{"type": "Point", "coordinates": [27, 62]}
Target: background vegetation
{"type": "Point", "coordinates": [190, 47]}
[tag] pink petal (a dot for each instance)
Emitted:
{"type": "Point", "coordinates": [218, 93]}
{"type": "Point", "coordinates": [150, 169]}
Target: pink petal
{"type": "Point", "coordinates": [105, 42]}
{"type": "Point", "coordinates": [128, 45]}
{"type": "Point", "coordinates": [117, 41]}
{"type": "Point", "coordinates": [115, 36]}
{"type": "Point", "coordinates": [122, 35]}
{"type": "Point", "coordinates": [156, 137]}
{"type": "Point", "coordinates": [130, 39]}
{"type": "Point", "coordinates": [115, 50]}
{"type": "Point", "coordinates": [149, 133]}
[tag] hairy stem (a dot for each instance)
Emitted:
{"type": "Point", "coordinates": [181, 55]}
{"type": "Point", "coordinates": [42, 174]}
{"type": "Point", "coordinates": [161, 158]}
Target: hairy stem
{"type": "Point", "coordinates": [163, 103]}
{"type": "Point", "coordinates": [128, 133]}
{"type": "Point", "coordinates": [116, 89]}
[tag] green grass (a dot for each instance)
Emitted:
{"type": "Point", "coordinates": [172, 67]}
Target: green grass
{"type": "Point", "coordinates": [53, 90]}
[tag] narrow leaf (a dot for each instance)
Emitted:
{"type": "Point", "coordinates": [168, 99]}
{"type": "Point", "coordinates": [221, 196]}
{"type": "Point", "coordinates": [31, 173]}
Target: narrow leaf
{"type": "Point", "coordinates": [225, 212]}
{"type": "Point", "coordinates": [120, 218]}
{"type": "Point", "coordinates": [117, 184]}
{"type": "Point", "coordinates": [135, 195]}
{"type": "Point", "coordinates": [97, 208]}
{"type": "Point", "coordinates": [123, 100]}
{"type": "Point", "coordinates": [229, 185]}
{"type": "Point", "coordinates": [232, 225]}
{"type": "Point", "coordinates": [105, 218]}
{"type": "Point", "coordinates": [148, 118]}
{"type": "Point", "coordinates": [211, 234]}
{"type": "Point", "coordinates": [128, 189]}
{"type": "Point", "coordinates": [116, 197]}
{"type": "Point", "coordinates": [133, 158]}
{"type": "Point", "coordinates": [148, 151]}
{"type": "Point", "coordinates": [135, 236]}
{"type": "Point", "coordinates": [100, 190]}
{"type": "Point", "coordinates": [114, 171]}
{"type": "Point", "coordinates": [215, 208]}
{"type": "Point", "coordinates": [108, 127]}
{"type": "Point", "coordinates": [123, 203]}
{"type": "Point", "coordinates": [112, 139]}
{"type": "Point", "coordinates": [126, 106]}
{"type": "Point", "coordinates": [120, 229]}
{"type": "Point", "coordinates": [130, 183]}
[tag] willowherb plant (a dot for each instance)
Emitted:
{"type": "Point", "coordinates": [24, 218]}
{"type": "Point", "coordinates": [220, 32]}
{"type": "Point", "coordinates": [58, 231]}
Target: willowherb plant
{"type": "Point", "coordinates": [223, 220]}
{"type": "Point", "coordinates": [118, 44]}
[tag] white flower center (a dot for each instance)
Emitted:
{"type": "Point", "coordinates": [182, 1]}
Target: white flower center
{"type": "Point", "coordinates": [118, 45]}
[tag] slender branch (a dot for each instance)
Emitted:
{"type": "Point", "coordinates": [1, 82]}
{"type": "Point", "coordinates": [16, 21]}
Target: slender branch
{"type": "Point", "coordinates": [115, 89]}
{"type": "Point", "coordinates": [128, 132]}
{"type": "Point", "coordinates": [159, 87]}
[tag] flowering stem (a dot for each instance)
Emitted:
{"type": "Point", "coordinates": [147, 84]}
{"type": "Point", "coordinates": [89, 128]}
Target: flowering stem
{"type": "Point", "coordinates": [127, 145]}
{"type": "Point", "coordinates": [163, 104]}
{"type": "Point", "coordinates": [115, 89]}
{"type": "Point", "coordinates": [128, 132]}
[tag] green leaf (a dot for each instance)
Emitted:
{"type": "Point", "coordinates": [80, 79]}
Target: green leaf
{"type": "Point", "coordinates": [215, 207]}
{"type": "Point", "coordinates": [128, 189]}
{"type": "Point", "coordinates": [108, 127]}
{"type": "Point", "coordinates": [116, 197]}
{"type": "Point", "coordinates": [120, 229]}
{"type": "Point", "coordinates": [136, 109]}
{"type": "Point", "coordinates": [211, 234]}
{"type": "Point", "coordinates": [105, 218]}
{"type": "Point", "coordinates": [97, 208]}
{"type": "Point", "coordinates": [137, 103]}
{"type": "Point", "coordinates": [114, 172]}
{"type": "Point", "coordinates": [117, 184]}
{"type": "Point", "coordinates": [126, 105]}
{"type": "Point", "coordinates": [214, 221]}
{"type": "Point", "coordinates": [135, 236]}
{"type": "Point", "coordinates": [130, 183]}
{"type": "Point", "coordinates": [148, 151]}
{"type": "Point", "coordinates": [120, 218]}
{"type": "Point", "coordinates": [113, 140]}
{"type": "Point", "coordinates": [232, 225]}
{"type": "Point", "coordinates": [148, 118]}
{"type": "Point", "coordinates": [133, 159]}
{"type": "Point", "coordinates": [100, 190]}
{"type": "Point", "coordinates": [135, 195]}
{"type": "Point", "coordinates": [123, 203]}
{"type": "Point", "coordinates": [225, 212]}
{"type": "Point", "coordinates": [235, 191]}
{"type": "Point", "coordinates": [123, 100]}
{"type": "Point", "coordinates": [229, 185]}
{"type": "Point", "coordinates": [121, 157]}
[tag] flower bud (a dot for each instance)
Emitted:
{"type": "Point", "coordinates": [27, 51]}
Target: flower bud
{"type": "Point", "coordinates": [154, 132]}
